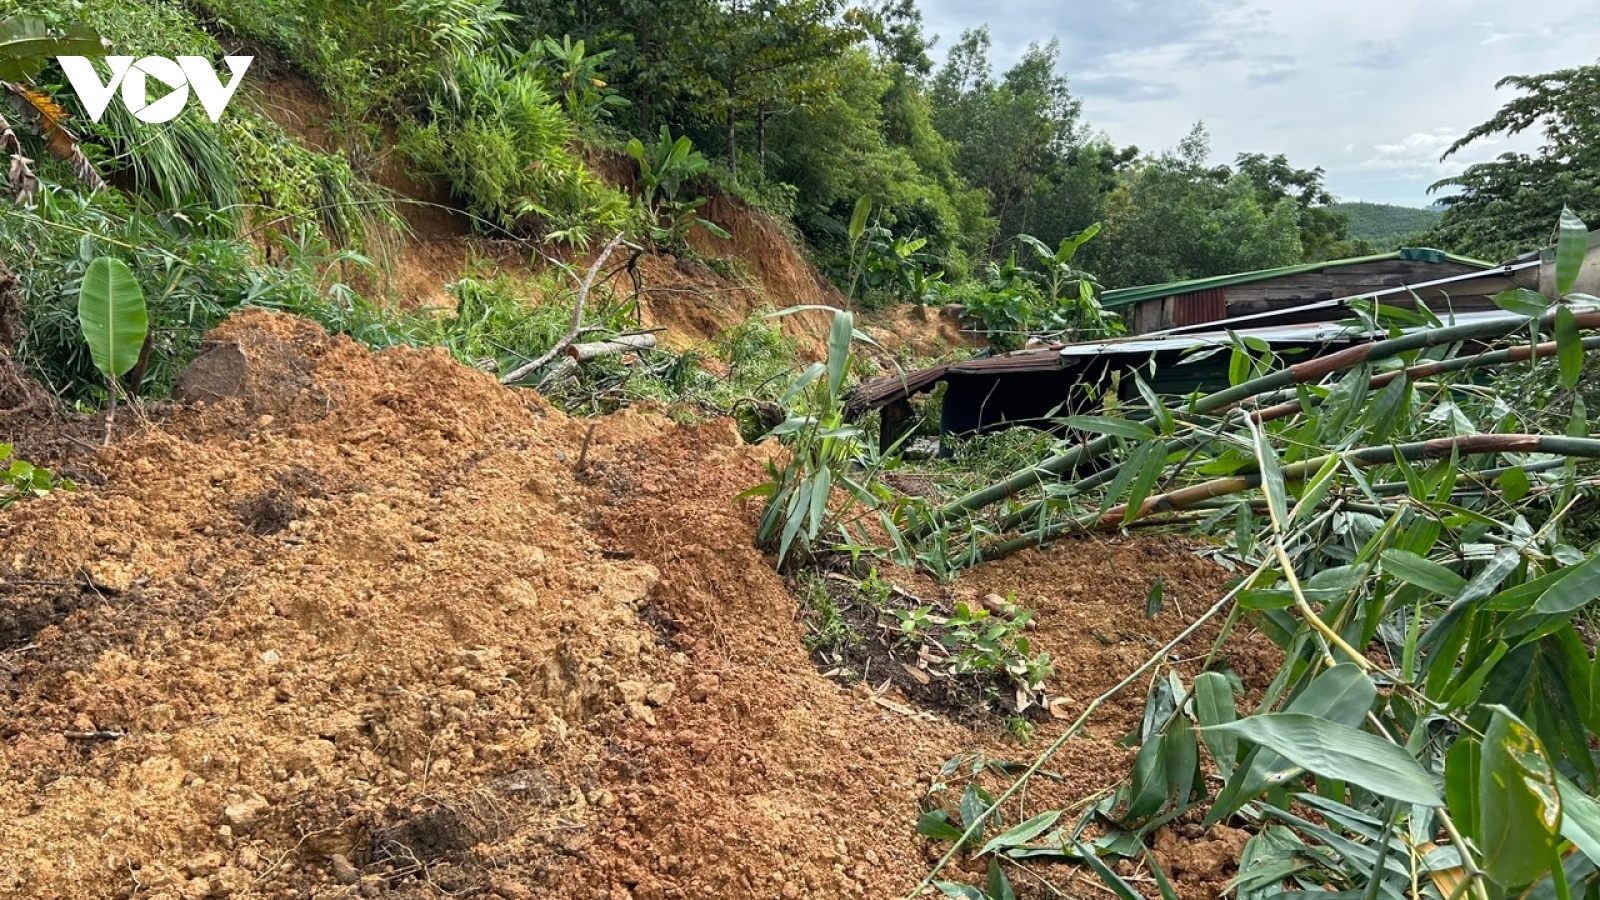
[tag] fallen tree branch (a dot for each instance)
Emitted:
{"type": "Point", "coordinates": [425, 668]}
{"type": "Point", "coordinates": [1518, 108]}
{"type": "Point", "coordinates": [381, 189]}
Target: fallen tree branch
{"type": "Point", "coordinates": [611, 346]}
{"type": "Point", "coordinates": [523, 371]}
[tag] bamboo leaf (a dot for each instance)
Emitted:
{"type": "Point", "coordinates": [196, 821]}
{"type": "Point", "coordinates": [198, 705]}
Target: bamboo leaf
{"type": "Point", "coordinates": [1523, 302]}
{"type": "Point", "coordinates": [112, 314]}
{"type": "Point", "coordinates": [1424, 573]}
{"type": "Point", "coordinates": [1124, 428]}
{"type": "Point", "coordinates": [1157, 408]}
{"type": "Point", "coordinates": [1339, 751]}
{"type": "Point", "coordinates": [1271, 478]}
{"type": "Point", "coordinates": [1578, 585]}
{"type": "Point", "coordinates": [1519, 812]}
{"type": "Point", "coordinates": [1571, 247]}
{"type": "Point", "coordinates": [997, 886]}
{"type": "Point", "coordinates": [1569, 348]}
{"type": "Point", "coordinates": [1461, 783]}
{"type": "Point", "coordinates": [1342, 694]}
{"type": "Point", "coordinates": [1239, 368]}
{"type": "Point", "coordinates": [1023, 833]}
{"type": "Point", "coordinates": [1213, 705]}
{"type": "Point", "coordinates": [1514, 485]}
{"type": "Point", "coordinates": [1108, 876]}
{"type": "Point", "coordinates": [1151, 462]}
{"type": "Point", "coordinates": [935, 824]}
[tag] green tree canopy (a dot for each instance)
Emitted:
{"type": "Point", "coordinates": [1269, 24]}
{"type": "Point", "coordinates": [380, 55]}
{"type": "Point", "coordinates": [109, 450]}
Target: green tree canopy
{"type": "Point", "coordinates": [1506, 206]}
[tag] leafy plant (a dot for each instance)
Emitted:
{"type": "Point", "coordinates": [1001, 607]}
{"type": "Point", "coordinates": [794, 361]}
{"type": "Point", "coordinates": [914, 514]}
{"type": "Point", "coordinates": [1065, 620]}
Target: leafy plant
{"type": "Point", "coordinates": [577, 74]}
{"type": "Point", "coordinates": [26, 43]}
{"type": "Point", "coordinates": [111, 311]}
{"type": "Point", "coordinates": [664, 169]}
{"type": "Point", "coordinates": [20, 479]}
{"type": "Point", "coordinates": [1402, 534]}
{"type": "Point", "coordinates": [800, 517]}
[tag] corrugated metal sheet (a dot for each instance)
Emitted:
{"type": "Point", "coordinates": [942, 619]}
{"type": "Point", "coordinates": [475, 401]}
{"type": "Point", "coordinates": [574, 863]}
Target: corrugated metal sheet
{"type": "Point", "coordinates": [1125, 296]}
{"type": "Point", "coordinates": [1200, 307]}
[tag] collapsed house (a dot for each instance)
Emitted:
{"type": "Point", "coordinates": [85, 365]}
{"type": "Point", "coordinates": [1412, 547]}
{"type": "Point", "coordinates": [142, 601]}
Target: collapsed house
{"type": "Point", "coordinates": [1297, 311]}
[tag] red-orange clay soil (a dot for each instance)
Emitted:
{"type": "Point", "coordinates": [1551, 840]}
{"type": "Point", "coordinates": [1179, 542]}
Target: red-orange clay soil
{"type": "Point", "coordinates": [351, 624]}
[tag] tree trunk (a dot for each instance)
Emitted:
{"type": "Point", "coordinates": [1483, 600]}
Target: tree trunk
{"type": "Point", "coordinates": [621, 344]}
{"type": "Point", "coordinates": [733, 144]}
{"type": "Point", "coordinates": [761, 136]}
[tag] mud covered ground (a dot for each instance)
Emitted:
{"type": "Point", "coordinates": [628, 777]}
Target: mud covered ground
{"type": "Point", "coordinates": [368, 625]}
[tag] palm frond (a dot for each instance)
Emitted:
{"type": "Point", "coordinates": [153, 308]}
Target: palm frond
{"type": "Point", "coordinates": [48, 120]}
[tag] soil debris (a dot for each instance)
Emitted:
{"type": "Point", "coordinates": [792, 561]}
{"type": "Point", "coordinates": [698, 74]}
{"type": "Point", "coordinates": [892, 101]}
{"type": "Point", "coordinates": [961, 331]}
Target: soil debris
{"type": "Point", "coordinates": [363, 632]}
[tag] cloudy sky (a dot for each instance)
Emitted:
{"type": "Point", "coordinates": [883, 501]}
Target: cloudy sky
{"type": "Point", "coordinates": [1371, 90]}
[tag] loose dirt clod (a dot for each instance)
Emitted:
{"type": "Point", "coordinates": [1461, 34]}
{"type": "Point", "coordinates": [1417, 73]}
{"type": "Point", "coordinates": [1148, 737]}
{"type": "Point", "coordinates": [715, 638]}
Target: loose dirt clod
{"type": "Point", "coordinates": [364, 632]}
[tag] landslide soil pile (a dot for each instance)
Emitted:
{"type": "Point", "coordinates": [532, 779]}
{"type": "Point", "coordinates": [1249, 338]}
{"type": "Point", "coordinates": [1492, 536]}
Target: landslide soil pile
{"type": "Point", "coordinates": [355, 624]}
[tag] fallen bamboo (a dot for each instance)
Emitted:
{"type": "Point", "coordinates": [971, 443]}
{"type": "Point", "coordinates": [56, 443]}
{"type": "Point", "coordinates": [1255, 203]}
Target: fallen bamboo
{"type": "Point", "coordinates": [1519, 353]}
{"type": "Point", "coordinates": [1365, 457]}
{"type": "Point", "coordinates": [1308, 372]}
{"type": "Point", "coordinates": [627, 343]}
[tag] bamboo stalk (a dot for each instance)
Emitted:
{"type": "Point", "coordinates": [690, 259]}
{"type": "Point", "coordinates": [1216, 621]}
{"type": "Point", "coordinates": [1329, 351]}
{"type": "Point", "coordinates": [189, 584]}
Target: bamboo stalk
{"type": "Point", "coordinates": [1308, 372]}
{"type": "Point", "coordinates": [1196, 495]}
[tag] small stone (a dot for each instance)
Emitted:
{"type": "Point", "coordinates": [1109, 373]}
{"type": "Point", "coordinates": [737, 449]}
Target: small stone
{"type": "Point", "coordinates": [203, 865]}
{"type": "Point", "coordinates": [340, 867]}
{"type": "Point", "coordinates": [642, 713]}
{"type": "Point", "coordinates": [271, 657]}
{"type": "Point", "coordinates": [661, 694]}
{"type": "Point", "coordinates": [633, 691]}
{"type": "Point", "coordinates": [312, 757]}
{"type": "Point", "coordinates": [244, 812]}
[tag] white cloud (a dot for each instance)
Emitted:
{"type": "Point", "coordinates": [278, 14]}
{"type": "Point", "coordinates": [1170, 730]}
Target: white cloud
{"type": "Point", "coordinates": [1372, 90]}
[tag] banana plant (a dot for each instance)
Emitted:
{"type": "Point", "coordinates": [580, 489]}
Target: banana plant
{"type": "Point", "coordinates": [663, 170]}
{"type": "Point", "coordinates": [26, 43]}
{"type": "Point", "coordinates": [115, 322]}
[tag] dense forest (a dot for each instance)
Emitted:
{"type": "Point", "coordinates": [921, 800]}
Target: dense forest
{"type": "Point", "coordinates": [1384, 224]}
{"type": "Point", "coordinates": [802, 108]}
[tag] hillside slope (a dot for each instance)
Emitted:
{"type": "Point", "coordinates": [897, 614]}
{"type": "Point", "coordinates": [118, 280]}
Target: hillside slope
{"type": "Point", "coordinates": [1385, 224]}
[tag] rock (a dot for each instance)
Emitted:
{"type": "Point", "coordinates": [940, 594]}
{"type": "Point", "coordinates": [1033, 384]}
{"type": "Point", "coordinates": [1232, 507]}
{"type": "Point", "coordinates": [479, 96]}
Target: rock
{"type": "Point", "coordinates": [661, 694]}
{"type": "Point", "coordinates": [242, 813]}
{"type": "Point", "coordinates": [203, 865]}
{"type": "Point", "coordinates": [340, 867]}
{"type": "Point", "coordinates": [633, 691]}
{"type": "Point", "coordinates": [312, 757]}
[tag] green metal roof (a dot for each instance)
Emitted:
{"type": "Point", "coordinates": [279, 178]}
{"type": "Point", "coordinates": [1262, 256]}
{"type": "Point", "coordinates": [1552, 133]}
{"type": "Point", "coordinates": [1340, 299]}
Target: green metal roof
{"type": "Point", "coordinates": [1126, 296]}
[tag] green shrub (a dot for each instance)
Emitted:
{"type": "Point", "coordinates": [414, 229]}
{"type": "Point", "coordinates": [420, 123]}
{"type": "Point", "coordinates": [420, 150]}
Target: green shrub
{"type": "Point", "coordinates": [503, 143]}
{"type": "Point", "coordinates": [192, 272]}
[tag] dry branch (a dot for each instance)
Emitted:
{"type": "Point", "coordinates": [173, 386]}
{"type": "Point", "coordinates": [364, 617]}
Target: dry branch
{"type": "Point", "coordinates": [523, 371]}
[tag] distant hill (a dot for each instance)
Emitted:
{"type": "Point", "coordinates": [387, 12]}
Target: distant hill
{"type": "Point", "coordinates": [1385, 224]}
